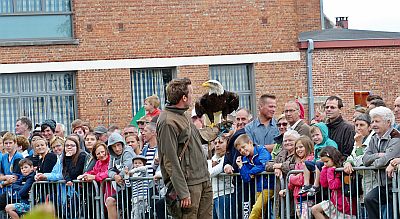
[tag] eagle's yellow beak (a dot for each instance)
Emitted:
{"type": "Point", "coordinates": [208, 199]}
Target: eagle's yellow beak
{"type": "Point", "coordinates": [206, 84]}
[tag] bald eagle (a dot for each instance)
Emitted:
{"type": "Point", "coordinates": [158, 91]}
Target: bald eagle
{"type": "Point", "coordinates": [216, 101]}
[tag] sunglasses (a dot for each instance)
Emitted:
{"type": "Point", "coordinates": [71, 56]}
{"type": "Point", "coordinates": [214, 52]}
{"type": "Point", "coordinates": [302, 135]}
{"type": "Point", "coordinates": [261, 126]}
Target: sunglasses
{"type": "Point", "coordinates": [281, 124]}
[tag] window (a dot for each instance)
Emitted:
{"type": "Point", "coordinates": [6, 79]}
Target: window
{"type": "Point", "coordinates": [38, 96]}
{"type": "Point", "coordinates": [239, 79]}
{"type": "Point", "coordinates": [146, 82]}
{"type": "Point", "coordinates": [35, 19]}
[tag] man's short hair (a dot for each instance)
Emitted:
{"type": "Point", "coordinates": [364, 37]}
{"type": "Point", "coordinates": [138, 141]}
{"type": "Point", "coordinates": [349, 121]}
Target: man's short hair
{"type": "Point", "coordinates": [377, 102]}
{"type": "Point", "coordinates": [246, 110]}
{"type": "Point", "coordinates": [372, 97]}
{"type": "Point", "coordinates": [153, 100]}
{"type": "Point", "coordinates": [113, 128]}
{"type": "Point", "coordinates": [10, 137]}
{"type": "Point", "coordinates": [264, 97]}
{"type": "Point", "coordinates": [151, 126]}
{"type": "Point", "coordinates": [25, 161]}
{"type": "Point", "coordinates": [26, 121]}
{"type": "Point", "coordinates": [338, 99]}
{"type": "Point", "coordinates": [295, 103]}
{"type": "Point", "coordinates": [176, 89]}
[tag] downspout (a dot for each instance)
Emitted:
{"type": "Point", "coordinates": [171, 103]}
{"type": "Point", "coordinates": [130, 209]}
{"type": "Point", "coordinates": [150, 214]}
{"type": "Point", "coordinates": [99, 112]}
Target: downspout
{"type": "Point", "coordinates": [310, 50]}
{"type": "Point", "coordinates": [321, 9]}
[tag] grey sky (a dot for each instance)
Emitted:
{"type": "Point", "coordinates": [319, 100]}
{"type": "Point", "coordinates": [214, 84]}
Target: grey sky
{"type": "Point", "coordinates": [382, 15]}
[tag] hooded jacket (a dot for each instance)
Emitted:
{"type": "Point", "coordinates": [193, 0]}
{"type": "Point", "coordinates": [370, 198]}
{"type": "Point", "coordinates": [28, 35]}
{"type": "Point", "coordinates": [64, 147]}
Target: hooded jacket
{"type": "Point", "coordinates": [342, 133]}
{"type": "Point", "coordinates": [174, 129]}
{"type": "Point", "coordinates": [326, 141]}
{"type": "Point", "coordinates": [119, 162]}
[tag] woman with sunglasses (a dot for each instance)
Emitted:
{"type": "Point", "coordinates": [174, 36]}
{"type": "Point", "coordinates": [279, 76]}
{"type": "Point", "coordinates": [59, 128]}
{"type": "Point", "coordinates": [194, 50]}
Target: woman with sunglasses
{"type": "Point", "coordinates": [282, 124]}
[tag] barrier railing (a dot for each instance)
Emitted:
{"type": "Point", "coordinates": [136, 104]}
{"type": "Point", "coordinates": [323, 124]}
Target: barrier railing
{"type": "Point", "coordinates": [358, 191]}
{"type": "Point", "coordinates": [232, 198]}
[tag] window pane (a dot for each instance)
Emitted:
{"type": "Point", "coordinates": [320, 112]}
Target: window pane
{"type": "Point", "coordinates": [29, 27]}
{"type": "Point", "coordinates": [8, 113]}
{"type": "Point", "coordinates": [62, 108]}
{"type": "Point", "coordinates": [235, 78]}
{"type": "Point", "coordinates": [60, 81]}
{"type": "Point", "coordinates": [57, 6]}
{"type": "Point", "coordinates": [34, 108]}
{"type": "Point", "coordinates": [32, 83]}
{"type": "Point", "coordinates": [146, 82]}
{"type": "Point", "coordinates": [232, 77]}
{"type": "Point", "coordinates": [28, 5]}
{"type": "Point", "coordinates": [8, 83]}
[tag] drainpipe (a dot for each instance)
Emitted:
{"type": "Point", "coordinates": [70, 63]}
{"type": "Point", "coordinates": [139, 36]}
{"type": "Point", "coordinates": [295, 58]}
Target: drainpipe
{"type": "Point", "coordinates": [321, 9]}
{"type": "Point", "coordinates": [310, 50]}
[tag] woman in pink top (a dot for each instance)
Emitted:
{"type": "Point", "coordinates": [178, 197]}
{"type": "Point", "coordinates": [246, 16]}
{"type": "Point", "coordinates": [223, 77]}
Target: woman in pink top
{"type": "Point", "coordinates": [100, 169]}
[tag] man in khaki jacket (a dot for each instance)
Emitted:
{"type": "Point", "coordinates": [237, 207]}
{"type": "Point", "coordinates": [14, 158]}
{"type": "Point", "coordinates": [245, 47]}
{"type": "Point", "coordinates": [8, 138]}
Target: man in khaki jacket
{"type": "Point", "coordinates": [189, 176]}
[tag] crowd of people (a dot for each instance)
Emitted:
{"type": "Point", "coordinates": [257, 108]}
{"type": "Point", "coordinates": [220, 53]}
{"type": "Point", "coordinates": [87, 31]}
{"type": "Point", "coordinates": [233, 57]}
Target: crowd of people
{"type": "Point", "coordinates": [167, 146]}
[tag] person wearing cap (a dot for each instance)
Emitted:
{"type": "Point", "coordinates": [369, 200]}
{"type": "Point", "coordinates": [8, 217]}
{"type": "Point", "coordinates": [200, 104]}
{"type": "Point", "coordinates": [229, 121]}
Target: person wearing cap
{"type": "Point", "coordinates": [139, 187]}
{"type": "Point", "coordinates": [101, 133]}
{"type": "Point", "coordinates": [142, 122]}
{"type": "Point", "coordinates": [362, 138]}
{"type": "Point", "coordinates": [48, 128]}
{"type": "Point", "coordinates": [189, 175]}
{"type": "Point", "coordinates": [120, 158]}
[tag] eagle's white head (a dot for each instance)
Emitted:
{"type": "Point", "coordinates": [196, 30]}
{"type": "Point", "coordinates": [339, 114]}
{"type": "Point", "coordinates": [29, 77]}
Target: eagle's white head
{"type": "Point", "coordinates": [214, 87]}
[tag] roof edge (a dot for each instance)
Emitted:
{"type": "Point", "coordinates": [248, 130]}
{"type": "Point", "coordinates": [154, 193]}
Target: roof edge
{"type": "Point", "coordinates": [351, 43]}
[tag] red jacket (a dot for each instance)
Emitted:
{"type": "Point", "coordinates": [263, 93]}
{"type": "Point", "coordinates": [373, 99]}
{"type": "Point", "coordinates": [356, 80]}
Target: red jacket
{"type": "Point", "coordinates": [100, 169]}
{"type": "Point", "coordinates": [296, 181]}
{"type": "Point", "coordinates": [330, 179]}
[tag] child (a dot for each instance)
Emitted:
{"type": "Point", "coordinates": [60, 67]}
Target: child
{"type": "Point", "coordinates": [250, 166]}
{"type": "Point", "coordinates": [221, 185]}
{"type": "Point", "coordinates": [10, 171]}
{"type": "Point", "coordinates": [319, 134]}
{"type": "Point", "coordinates": [139, 186]}
{"type": "Point", "coordinates": [338, 206]}
{"type": "Point", "coordinates": [22, 190]}
{"type": "Point", "coordinates": [304, 152]}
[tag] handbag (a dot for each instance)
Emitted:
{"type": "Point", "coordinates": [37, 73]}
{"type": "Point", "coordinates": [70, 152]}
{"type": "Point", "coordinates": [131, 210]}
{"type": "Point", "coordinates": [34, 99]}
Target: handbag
{"type": "Point", "coordinates": [172, 200]}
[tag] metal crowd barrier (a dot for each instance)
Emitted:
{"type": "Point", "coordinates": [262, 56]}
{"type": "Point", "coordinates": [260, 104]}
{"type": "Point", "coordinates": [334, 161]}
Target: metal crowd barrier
{"type": "Point", "coordinates": [79, 200]}
{"type": "Point", "coordinates": [232, 197]}
{"type": "Point", "coordinates": [388, 194]}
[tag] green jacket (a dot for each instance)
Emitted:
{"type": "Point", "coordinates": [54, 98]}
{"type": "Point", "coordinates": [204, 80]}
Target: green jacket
{"type": "Point", "coordinates": [172, 133]}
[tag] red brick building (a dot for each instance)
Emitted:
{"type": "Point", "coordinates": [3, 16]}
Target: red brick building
{"type": "Point", "coordinates": [64, 60]}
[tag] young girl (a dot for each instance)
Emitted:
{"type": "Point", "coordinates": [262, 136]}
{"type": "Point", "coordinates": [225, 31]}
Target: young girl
{"type": "Point", "coordinates": [338, 206]}
{"type": "Point", "coordinates": [304, 151]}
{"type": "Point", "coordinates": [133, 141]}
{"type": "Point", "coordinates": [90, 161]}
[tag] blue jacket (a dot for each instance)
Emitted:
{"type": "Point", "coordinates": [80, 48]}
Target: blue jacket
{"type": "Point", "coordinates": [21, 190]}
{"type": "Point", "coordinates": [256, 166]}
{"type": "Point", "coordinates": [56, 173]}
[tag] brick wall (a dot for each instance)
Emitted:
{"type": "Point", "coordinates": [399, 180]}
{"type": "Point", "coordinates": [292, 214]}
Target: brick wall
{"type": "Point", "coordinates": [343, 71]}
{"type": "Point", "coordinates": [141, 29]}
{"type": "Point", "coordinates": [95, 87]}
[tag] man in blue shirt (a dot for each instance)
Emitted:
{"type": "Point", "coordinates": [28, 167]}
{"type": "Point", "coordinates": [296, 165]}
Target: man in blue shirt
{"type": "Point", "coordinates": [263, 129]}
{"type": "Point", "coordinates": [10, 171]}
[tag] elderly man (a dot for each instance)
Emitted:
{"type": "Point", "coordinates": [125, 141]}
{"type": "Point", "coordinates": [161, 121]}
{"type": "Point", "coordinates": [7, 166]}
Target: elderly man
{"type": "Point", "coordinates": [292, 115]}
{"type": "Point", "coordinates": [383, 147]}
{"type": "Point", "coordinates": [23, 126]}
{"type": "Point", "coordinates": [60, 130]}
{"type": "Point", "coordinates": [242, 118]}
{"type": "Point", "coordinates": [263, 129]}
